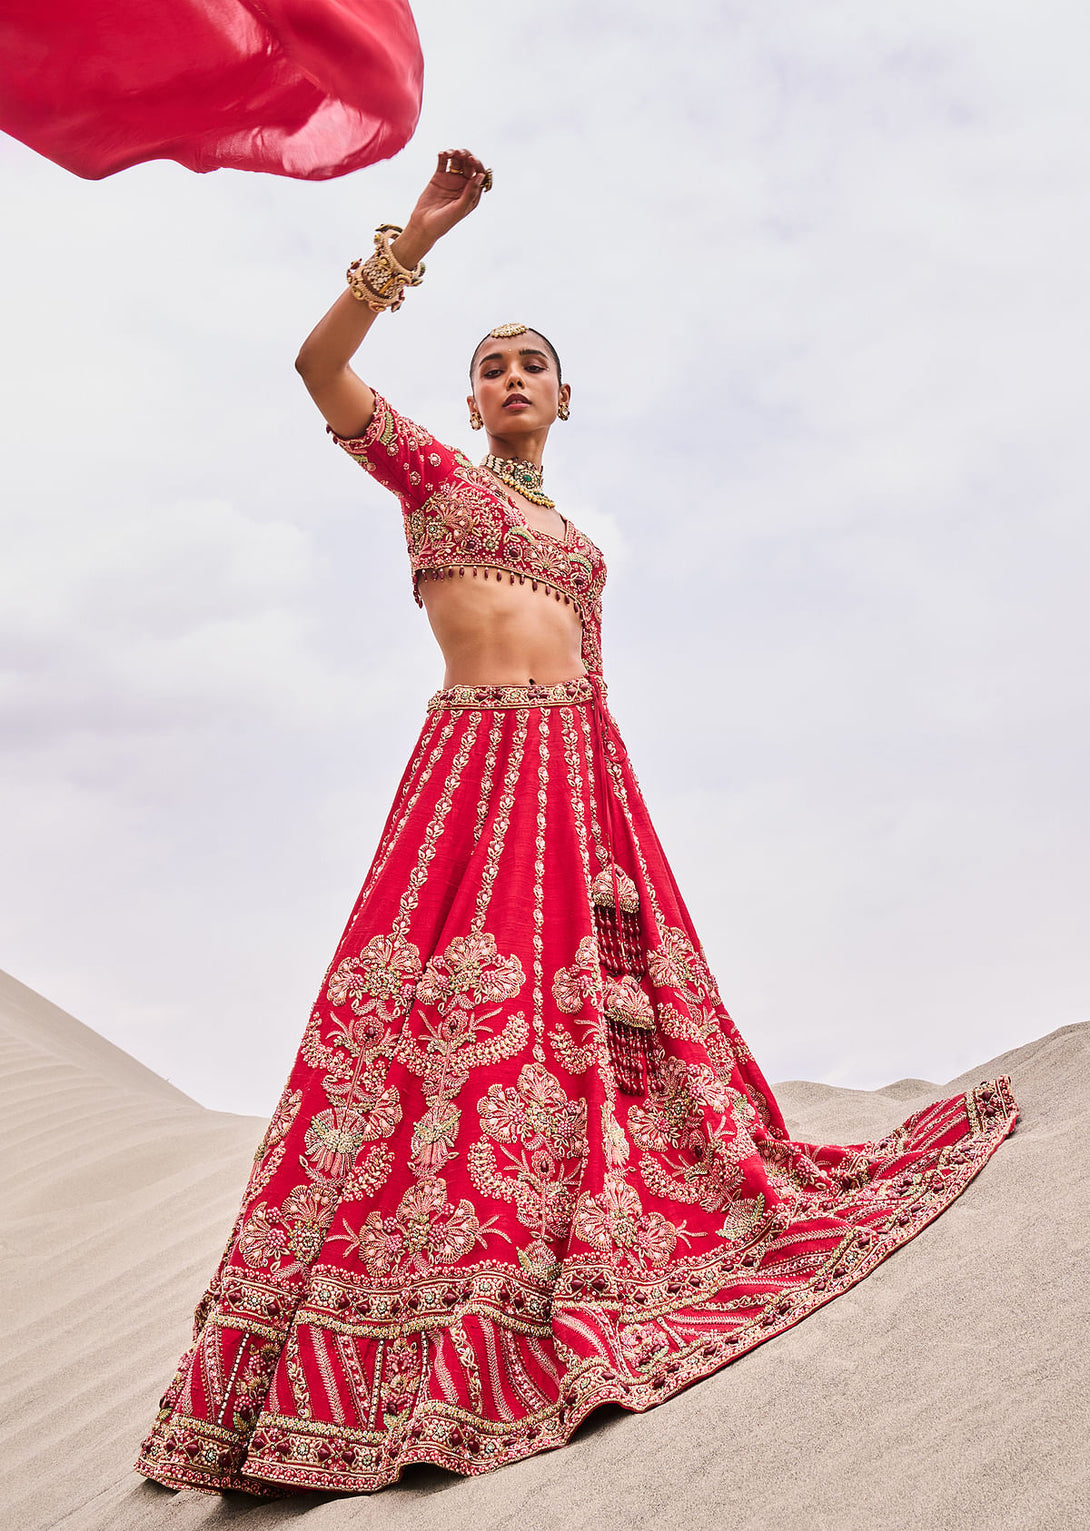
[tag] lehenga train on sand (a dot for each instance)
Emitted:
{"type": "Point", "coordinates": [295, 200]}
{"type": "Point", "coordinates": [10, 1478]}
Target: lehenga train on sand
{"type": "Point", "coordinates": [524, 1164]}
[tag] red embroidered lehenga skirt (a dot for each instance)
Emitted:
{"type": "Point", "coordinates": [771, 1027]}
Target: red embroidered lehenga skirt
{"type": "Point", "coordinates": [524, 1164]}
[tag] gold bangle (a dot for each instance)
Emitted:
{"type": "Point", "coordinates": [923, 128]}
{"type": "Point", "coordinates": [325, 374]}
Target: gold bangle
{"type": "Point", "coordinates": [379, 281]}
{"type": "Point", "coordinates": [371, 281]}
{"type": "Point", "coordinates": [385, 235]}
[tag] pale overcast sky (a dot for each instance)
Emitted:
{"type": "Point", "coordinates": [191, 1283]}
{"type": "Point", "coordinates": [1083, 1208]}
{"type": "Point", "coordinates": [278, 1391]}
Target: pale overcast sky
{"type": "Point", "coordinates": [817, 273]}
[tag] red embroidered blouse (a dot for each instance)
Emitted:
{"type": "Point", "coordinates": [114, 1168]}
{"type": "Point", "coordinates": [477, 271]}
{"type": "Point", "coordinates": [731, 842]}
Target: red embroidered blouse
{"type": "Point", "coordinates": [458, 519]}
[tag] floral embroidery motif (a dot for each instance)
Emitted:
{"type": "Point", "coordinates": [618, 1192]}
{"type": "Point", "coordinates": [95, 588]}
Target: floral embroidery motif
{"type": "Point", "coordinates": [676, 964]}
{"type": "Point", "coordinates": [579, 987]}
{"type": "Point", "coordinates": [426, 1230]}
{"type": "Point", "coordinates": [615, 1221]}
{"type": "Point", "coordinates": [334, 1137]}
{"type": "Point", "coordinates": [671, 1115]}
{"type": "Point", "coordinates": [469, 973]}
{"type": "Point", "coordinates": [643, 1344]}
{"type": "Point", "coordinates": [297, 1227]}
{"type": "Point", "coordinates": [539, 1133]}
{"type": "Point", "coordinates": [370, 1171]}
{"type": "Point", "coordinates": [695, 1159]}
{"type": "Point", "coordinates": [539, 884]}
{"type": "Point", "coordinates": [384, 973]}
{"type": "Point", "coordinates": [434, 1136]}
{"type": "Point", "coordinates": [574, 1058]}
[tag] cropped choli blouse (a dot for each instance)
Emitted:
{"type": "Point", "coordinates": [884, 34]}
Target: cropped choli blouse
{"type": "Point", "coordinates": [458, 521]}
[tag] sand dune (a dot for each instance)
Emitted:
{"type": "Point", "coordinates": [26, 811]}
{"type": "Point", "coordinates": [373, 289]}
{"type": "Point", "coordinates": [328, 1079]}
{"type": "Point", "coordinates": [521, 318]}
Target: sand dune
{"type": "Point", "coordinates": [949, 1390]}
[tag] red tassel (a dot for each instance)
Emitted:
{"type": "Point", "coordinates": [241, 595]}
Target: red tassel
{"type": "Point", "coordinates": [628, 1054]}
{"type": "Point", "coordinates": [619, 942]}
{"type": "Point", "coordinates": [617, 930]}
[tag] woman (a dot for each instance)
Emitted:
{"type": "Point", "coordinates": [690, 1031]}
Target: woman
{"type": "Point", "coordinates": [524, 1164]}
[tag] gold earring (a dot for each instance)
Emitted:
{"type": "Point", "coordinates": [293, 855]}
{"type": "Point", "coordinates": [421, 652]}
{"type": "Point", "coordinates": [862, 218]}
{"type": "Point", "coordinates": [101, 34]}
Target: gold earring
{"type": "Point", "coordinates": [475, 421]}
{"type": "Point", "coordinates": [563, 412]}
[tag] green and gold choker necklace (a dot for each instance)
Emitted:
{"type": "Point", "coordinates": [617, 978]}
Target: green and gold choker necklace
{"type": "Point", "coordinates": [526, 477]}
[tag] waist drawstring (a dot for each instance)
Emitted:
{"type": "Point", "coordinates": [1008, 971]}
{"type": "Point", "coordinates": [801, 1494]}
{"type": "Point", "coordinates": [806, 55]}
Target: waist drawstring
{"type": "Point", "coordinates": [602, 722]}
{"type": "Point", "coordinates": [629, 1015]}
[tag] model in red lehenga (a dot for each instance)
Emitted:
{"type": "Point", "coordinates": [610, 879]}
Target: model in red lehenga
{"type": "Point", "coordinates": [524, 1164]}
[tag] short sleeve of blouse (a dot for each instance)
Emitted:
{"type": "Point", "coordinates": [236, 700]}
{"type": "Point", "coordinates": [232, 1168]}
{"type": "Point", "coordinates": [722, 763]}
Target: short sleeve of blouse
{"type": "Point", "coordinates": [401, 455]}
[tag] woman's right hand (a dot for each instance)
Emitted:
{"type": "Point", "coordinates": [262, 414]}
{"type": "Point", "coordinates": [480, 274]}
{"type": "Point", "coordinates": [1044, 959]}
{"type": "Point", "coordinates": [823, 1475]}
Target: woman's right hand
{"type": "Point", "coordinates": [451, 195]}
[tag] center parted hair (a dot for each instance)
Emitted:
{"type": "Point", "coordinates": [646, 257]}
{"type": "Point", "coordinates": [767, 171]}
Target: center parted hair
{"type": "Point", "coordinates": [508, 332]}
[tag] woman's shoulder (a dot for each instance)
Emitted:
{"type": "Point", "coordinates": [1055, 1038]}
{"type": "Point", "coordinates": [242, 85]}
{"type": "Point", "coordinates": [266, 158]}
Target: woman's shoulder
{"type": "Point", "coordinates": [389, 428]}
{"type": "Point", "coordinates": [401, 453]}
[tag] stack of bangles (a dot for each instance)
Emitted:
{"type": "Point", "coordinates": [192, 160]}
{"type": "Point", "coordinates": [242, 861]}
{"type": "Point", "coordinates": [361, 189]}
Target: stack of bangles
{"type": "Point", "coordinates": [379, 281]}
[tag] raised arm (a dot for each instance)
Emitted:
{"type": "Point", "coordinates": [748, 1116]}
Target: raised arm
{"type": "Point", "coordinates": [323, 361]}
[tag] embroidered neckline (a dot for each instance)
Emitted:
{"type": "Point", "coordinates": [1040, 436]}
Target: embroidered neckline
{"type": "Point", "coordinates": [490, 482]}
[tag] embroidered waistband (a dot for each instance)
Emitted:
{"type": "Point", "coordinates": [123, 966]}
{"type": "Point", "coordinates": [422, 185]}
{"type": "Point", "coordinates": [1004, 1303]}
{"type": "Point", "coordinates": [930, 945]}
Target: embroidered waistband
{"type": "Point", "coordinates": [564, 693]}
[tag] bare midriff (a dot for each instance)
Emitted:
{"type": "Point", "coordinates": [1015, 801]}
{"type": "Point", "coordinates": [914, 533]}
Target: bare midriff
{"type": "Point", "coordinates": [494, 633]}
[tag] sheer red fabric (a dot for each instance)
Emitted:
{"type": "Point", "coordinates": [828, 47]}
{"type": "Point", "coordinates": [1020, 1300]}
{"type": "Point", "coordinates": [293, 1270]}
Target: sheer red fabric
{"type": "Point", "coordinates": [303, 88]}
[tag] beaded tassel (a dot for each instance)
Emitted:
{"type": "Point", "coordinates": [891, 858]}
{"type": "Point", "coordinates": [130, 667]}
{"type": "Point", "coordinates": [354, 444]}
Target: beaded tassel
{"type": "Point", "coordinates": [630, 1033]}
{"type": "Point", "coordinates": [630, 1054]}
{"type": "Point", "coordinates": [619, 943]}
{"type": "Point", "coordinates": [630, 1016]}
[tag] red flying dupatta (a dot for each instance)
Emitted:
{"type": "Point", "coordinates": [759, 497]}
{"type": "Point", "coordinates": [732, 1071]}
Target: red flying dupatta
{"type": "Point", "coordinates": [303, 88]}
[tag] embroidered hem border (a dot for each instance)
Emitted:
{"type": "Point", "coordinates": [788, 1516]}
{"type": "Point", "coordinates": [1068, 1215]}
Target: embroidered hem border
{"type": "Point", "coordinates": [293, 1453]}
